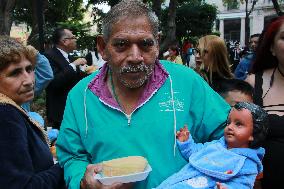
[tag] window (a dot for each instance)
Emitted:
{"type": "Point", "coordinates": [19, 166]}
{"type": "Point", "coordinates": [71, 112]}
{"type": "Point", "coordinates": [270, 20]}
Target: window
{"type": "Point", "coordinates": [233, 4]}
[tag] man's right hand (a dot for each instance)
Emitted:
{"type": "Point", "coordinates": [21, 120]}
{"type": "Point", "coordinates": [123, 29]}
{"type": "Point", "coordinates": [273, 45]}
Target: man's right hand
{"type": "Point", "coordinates": [88, 181]}
{"type": "Point", "coordinates": [79, 61]}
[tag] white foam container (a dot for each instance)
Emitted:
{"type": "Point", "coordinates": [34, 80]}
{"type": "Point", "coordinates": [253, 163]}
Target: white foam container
{"type": "Point", "coordinates": [124, 178]}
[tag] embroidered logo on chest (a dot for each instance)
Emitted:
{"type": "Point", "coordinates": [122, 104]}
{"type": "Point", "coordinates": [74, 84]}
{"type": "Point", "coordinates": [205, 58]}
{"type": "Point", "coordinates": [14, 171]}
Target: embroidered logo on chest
{"type": "Point", "coordinates": [166, 105]}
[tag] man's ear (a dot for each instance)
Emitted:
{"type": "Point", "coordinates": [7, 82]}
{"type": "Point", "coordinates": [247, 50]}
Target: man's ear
{"type": "Point", "coordinates": [101, 46]}
{"type": "Point", "coordinates": [251, 138]}
{"type": "Point", "coordinates": [62, 42]}
{"type": "Point", "coordinates": [158, 38]}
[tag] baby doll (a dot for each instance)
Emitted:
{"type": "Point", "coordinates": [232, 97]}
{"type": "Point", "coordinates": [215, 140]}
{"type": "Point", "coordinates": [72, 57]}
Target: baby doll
{"type": "Point", "coordinates": [228, 163]}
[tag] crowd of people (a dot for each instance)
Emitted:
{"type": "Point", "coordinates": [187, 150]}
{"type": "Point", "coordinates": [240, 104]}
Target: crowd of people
{"type": "Point", "coordinates": [219, 123]}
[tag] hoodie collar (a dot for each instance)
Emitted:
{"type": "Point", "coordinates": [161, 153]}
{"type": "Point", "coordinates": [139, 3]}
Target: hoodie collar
{"type": "Point", "coordinates": [99, 85]}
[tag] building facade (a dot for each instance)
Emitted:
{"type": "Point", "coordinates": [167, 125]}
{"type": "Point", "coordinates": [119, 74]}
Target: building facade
{"type": "Point", "coordinates": [231, 18]}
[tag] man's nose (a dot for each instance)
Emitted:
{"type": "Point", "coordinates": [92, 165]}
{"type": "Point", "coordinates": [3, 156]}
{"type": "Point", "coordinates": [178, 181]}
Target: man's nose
{"type": "Point", "coordinates": [135, 53]}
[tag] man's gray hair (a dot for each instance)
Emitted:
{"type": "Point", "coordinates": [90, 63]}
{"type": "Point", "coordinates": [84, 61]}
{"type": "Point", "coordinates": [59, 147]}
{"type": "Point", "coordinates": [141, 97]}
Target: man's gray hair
{"type": "Point", "coordinates": [129, 9]}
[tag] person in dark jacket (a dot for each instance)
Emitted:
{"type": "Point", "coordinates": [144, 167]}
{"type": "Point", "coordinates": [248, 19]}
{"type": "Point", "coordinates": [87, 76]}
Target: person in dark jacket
{"type": "Point", "coordinates": [66, 74]}
{"type": "Point", "coordinates": [26, 161]}
{"type": "Point", "coordinates": [244, 67]}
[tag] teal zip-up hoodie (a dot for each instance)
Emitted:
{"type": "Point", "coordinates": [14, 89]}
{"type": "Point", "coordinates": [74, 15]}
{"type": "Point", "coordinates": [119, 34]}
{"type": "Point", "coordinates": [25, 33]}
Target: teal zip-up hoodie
{"type": "Point", "coordinates": [93, 131]}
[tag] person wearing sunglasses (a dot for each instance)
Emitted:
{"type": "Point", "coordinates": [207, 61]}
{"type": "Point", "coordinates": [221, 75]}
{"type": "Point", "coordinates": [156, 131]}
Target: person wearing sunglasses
{"type": "Point", "coordinates": [66, 74]}
{"type": "Point", "coordinates": [211, 56]}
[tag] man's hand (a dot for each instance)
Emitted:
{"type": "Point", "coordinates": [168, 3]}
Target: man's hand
{"type": "Point", "coordinates": [220, 186]}
{"type": "Point", "coordinates": [88, 181]}
{"type": "Point", "coordinates": [80, 61]}
{"type": "Point", "coordinates": [183, 134]}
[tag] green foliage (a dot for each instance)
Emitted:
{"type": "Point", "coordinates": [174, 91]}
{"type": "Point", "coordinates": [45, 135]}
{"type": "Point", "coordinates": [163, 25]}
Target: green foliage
{"type": "Point", "coordinates": [54, 11]}
{"type": "Point", "coordinates": [231, 2]}
{"type": "Point", "coordinates": [64, 13]}
{"type": "Point", "coordinates": [62, 10]}
{"type": "Point", "coordinates": [217, 33]}
{"type": "Point", "coordinates": [23, 12]}
{"type": "Point", "coordinates": [98, 14]}
{"type": "Point", "coordinates": [193, 19]}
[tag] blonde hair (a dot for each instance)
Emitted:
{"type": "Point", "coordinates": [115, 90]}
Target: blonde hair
{"type": "Point", "coordinates": [217, 50]}
{"type": "Point", "coordinates": [12, 51]}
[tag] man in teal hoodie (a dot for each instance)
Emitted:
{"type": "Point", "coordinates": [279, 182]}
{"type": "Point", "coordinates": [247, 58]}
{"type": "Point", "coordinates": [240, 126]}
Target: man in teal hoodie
{"type": "Point", "coordinates": [134, 104]}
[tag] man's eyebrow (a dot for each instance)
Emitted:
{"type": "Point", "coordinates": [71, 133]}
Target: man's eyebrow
{"type": "Point", "coordinates": [119, 39]}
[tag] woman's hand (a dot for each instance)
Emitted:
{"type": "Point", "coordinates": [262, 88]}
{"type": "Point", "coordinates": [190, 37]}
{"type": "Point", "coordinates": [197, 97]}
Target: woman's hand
{"type": "Point", "coordinates": [88, 181]}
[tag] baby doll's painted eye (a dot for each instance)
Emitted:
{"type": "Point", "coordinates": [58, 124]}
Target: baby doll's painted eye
{"type": "Point", "coordinates": [238, 124]}
{"type": "Point", "coordinates": [228, 122]}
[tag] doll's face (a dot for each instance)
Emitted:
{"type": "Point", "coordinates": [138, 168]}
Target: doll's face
{"type": "Point", "coordinates": [239, 129]}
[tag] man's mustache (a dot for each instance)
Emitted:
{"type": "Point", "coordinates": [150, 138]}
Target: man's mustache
{"type": "Point", "coordinates": [133, 68]}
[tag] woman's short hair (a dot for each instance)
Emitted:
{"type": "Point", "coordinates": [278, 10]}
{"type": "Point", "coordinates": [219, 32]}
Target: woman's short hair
{"type": "Point", "coordinates": [12, 51]}
{"type": "Point", "coordinates": [174, 48]}
{"type": "Point", "coordinates": [260, 122]}
{"type": "Point", "coordinates": [264, 58]}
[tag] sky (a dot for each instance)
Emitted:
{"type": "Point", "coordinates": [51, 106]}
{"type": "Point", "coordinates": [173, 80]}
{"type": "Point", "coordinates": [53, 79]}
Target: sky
{"type": "Point", "coordinates": [103, 6]}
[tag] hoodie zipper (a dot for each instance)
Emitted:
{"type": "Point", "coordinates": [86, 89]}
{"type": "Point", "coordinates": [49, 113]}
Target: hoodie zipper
{"type": "Point", "coordinates": [128, 119]}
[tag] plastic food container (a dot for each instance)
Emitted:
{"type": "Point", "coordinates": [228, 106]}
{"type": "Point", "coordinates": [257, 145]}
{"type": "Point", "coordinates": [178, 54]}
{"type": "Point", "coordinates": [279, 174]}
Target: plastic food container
{"type": "Point", "coordinates": [135, 177]}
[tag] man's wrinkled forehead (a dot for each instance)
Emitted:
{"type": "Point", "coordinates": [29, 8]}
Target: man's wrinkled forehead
{"type": "Point", "coordinates": [119, 29]}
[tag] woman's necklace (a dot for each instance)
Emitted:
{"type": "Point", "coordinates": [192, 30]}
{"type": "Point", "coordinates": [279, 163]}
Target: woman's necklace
{"type": "Point", "coordinates": [113, 89]}
{"type": "Point", "coordinates": [280, 71]}
{"type": "Point", "coordinates": [114, 93]}
{"type": "Point", "coordinates": [271, 82]}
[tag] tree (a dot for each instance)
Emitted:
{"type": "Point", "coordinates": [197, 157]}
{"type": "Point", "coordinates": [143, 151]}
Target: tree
{"type": "Point", "coordinates": [6, 10]}
{"type": "Point", "coordinates": [55, 11]}
{"type": "Point", "coordinates": [248, 12]}
{"type": "Point", "coordinates": [171, 26]}
{"type": "Point", "coordinates": [195, 19]}
{"type": "Point", "coordinates": [277, 8]}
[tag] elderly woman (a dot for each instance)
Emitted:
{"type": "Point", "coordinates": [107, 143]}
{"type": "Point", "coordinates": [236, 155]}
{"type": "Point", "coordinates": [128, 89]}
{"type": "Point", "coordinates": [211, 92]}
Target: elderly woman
{"type": "Point", "coordinates": [211, 53]}
{"type": "Point", "coordinates": [26, 161]}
